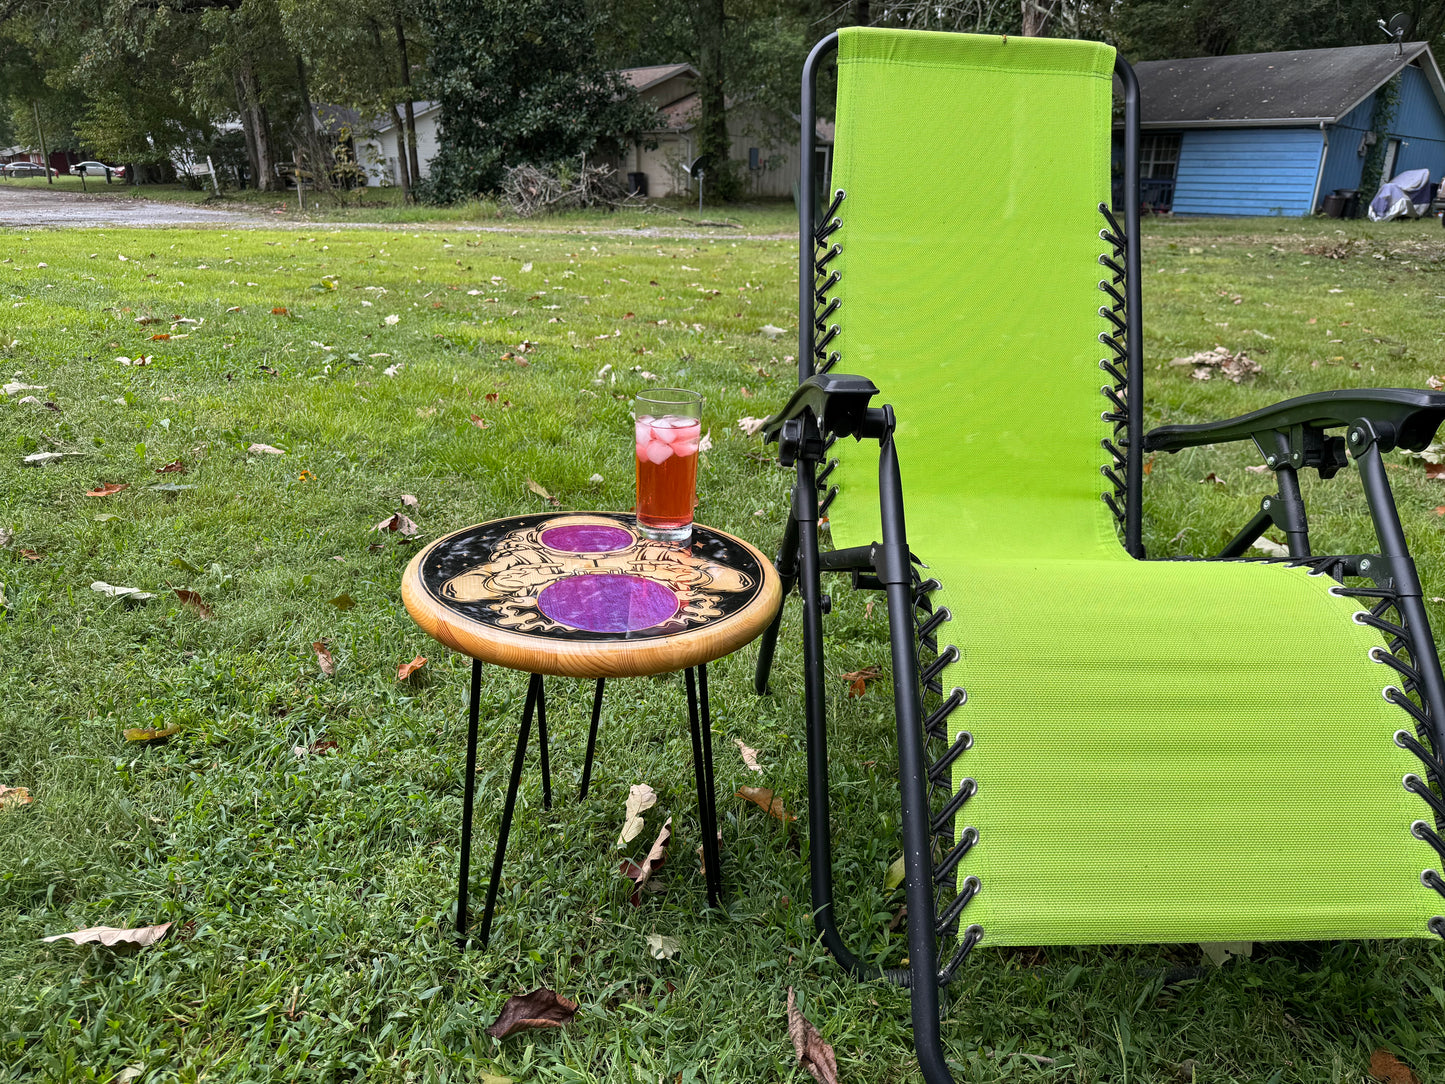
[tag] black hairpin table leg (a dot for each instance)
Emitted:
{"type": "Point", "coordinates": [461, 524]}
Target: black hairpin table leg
{"type": "Point", "coordinates": [707, 812]}
{"type": "Point", "coordinates": [542, 742]}
{"type": "Point", "coordinates": [468, 794]}
{"type": "Point", "coordinates": [592, 738]}
{"type": "Point", "coordinates": [534, 696]}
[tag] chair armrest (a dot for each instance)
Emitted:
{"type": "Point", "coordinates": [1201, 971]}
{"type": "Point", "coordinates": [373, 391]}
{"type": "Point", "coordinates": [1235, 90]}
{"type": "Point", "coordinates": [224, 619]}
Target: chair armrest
{"type": "Point", "coordinates": [1411, 417]}
{"type": "Point", "coordinates": [838, 404]}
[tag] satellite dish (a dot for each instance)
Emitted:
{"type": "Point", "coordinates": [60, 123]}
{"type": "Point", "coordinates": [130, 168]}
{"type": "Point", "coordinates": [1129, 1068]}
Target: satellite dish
{"type": "Point", "coordinates": [1396, 29]}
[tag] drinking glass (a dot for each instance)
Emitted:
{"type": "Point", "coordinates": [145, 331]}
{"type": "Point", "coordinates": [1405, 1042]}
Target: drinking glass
{"type": "Point", "coordinates": [668, 428]}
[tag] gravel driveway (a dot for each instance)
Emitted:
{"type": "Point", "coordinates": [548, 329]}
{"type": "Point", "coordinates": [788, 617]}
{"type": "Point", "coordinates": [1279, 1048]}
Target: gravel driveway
{"type": "Point", "coordinates": [36, 207]}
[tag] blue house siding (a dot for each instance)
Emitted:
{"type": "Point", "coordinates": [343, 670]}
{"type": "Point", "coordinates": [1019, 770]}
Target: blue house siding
{"type": "Point", "coordinates": [1418, 124]}
{"type": "Point", "coordinates": [1247, 171]}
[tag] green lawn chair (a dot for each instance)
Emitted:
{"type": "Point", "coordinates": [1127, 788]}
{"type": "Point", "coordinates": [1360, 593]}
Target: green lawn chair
{"type": "Point", "coordinates": [1147, 751]}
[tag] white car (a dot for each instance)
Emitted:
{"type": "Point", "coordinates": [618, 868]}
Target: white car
{"type": "Point", "coordinates": [96, 169]}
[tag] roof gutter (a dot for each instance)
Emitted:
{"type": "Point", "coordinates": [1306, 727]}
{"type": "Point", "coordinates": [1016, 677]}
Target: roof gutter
{"type": "Point", "coordinates": [1239, 122]}
{"type": "Point", "coordinates": [1320, 173]}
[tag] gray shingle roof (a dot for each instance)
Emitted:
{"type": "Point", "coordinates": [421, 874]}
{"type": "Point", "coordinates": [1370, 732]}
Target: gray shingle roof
{"type": "Point", "coordinates": [1304, 86]}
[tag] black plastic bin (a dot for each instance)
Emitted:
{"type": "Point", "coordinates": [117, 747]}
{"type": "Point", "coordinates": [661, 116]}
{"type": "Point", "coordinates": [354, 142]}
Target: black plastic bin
{"type": "Point", "coordinates": [637, 184]}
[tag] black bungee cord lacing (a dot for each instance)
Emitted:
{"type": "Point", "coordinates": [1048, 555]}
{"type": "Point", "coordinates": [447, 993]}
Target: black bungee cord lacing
{"type": "Point", "coordinates": [823, 307]}
{"type": "Point", "coordinates": [928, 621]}
{"type": "Point", "coordinates": [1116, 366]}
{"type": "Point", "coordinates": [1397, 634]}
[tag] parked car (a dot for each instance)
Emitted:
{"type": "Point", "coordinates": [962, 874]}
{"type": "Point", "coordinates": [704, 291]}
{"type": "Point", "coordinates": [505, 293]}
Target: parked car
{"type": "Point", "coordinates": [23, 169]}
{"type": "Point", "coordinates": [96, 169]}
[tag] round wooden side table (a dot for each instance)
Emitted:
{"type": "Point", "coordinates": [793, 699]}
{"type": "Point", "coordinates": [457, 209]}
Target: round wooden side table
{"type": "Point", "coordinates": [587, 595]}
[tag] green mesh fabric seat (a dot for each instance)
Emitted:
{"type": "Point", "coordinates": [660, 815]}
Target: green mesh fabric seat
{"type": "Point", "coordinates": [1106, 749]}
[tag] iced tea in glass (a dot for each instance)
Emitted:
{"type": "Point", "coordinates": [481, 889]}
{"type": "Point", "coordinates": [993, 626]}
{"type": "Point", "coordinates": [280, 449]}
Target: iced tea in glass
{"type": "Point", "coordinates": [668, 429]}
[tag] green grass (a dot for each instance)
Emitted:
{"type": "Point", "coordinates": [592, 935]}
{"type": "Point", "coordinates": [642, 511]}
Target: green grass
{"type": "Point", "coordinates": [388, 206]}
{"type": "Point", "coordinates": [314, 893]}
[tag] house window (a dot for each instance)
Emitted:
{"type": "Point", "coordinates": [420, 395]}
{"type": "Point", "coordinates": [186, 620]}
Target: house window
{"type": "Point", "coordinates": [1158, 163]}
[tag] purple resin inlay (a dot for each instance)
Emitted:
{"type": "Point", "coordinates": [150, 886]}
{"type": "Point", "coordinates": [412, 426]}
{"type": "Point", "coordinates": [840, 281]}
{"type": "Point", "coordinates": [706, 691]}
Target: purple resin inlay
{"type": "Point", "coordinates": [606, 602]}
{"type": "Point", "coordinates": [586, 538]}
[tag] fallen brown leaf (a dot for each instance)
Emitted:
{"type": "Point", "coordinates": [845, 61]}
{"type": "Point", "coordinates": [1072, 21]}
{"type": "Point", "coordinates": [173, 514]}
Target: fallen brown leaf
{"type": "Point", "coordinates": [173, 467]}
{"type": "Point", "coordinates": [813, 1053]}
{"type": "Point", "coordinates": [398, 522]}
{"type": "Point", "coordinates": [1435, 472]}
{"type": "Point", "coordinates": [1385, 1066]}
{"type": "Point", "coordinates": [148, 734]}
{"type": "Point", "coordinates": [342, 601]}
{"type": "Point", "coordinates": [279, 310]}
{"type": "Point", "coordinates": [763, 798]}
{"type": "Point", "coordinates": [14, 796]}
{"type": "Point", "coordinates": [640, 798]}
{"type": "Point", "coordinates": [318, 748]}
{"type": "Point", "coordinates": [1212, 477]}
{"type": "Point", "coordinates": [480, 422]}
{"type": "Point", "coordinates": [858, 680]}
{"type": "Point", "coordinates": [406, 669]}
{"type": "Point", "coordinates": [1440, 509]}
{"type": "Point", "coordinates": [111, 935]}
{"type": "Point", "coordinates": [542, 1008]}
{"type": "Point", "coordinates": [750, 756]}
{"type": "Point", "coordinates": [265, 449]}
{"type": "Point", "coordinates": [408, 500]}
{"type": "Point", "coordinates": [32, 555]}
{"type": "Point", "coordinates": [641, 872]}
{"type": "Point", "coordinates": [541, 491]}
{"type": "Point", "coordinates": [107, 489]}
{"type": "Point", "coordinates": [193, 600]}
{"type": "Point", "coordinates": [162, 337]}
{"type": "Point", "coordinates": [324, 659]}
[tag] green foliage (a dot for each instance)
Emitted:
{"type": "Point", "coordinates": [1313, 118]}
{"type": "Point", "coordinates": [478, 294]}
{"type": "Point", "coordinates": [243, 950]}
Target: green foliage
{"type": "Point", "coordinates": [1387, 98]}
{"type": "Point", "coordinates": [520, 82]}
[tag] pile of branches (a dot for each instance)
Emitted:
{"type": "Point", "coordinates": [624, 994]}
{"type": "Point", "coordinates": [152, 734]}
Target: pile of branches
{"type": "Point", "coordinates": [539, 190]}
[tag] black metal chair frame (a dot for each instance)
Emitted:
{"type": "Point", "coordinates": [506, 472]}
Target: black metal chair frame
{"type": "Point", "coordinates": [1291, 436]}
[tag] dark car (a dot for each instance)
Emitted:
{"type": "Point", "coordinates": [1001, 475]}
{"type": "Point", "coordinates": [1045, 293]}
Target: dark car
{"type": "Point", "coordinates": [24, 169]}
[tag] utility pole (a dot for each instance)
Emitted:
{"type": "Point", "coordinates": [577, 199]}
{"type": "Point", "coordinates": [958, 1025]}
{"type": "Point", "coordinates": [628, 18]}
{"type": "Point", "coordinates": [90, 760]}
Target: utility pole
{"type": "Point", "coordinates": [44, 157]}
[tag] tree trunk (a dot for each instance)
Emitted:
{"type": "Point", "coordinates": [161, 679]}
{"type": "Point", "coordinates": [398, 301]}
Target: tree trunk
{"type": "Point", "coordinates": [1037, 16]}
{"type": "Point", "coordinates": [401, 152]}
{"type": "Point", "coordinates": [709, 19]}
{"type": "Point", "coordinates": [253, 118]}
{"type": "Point", "coordinates": [410, 112]}
{"type": "Point", "coordinates": [863, 13]}
{"type": "Point", "coordinates": [252, 158]}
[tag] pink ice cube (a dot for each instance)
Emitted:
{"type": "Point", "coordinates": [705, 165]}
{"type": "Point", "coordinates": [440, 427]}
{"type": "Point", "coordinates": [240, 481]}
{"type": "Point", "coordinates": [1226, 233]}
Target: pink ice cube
{"type": "Point", "coordinates": [643, 430]}
{"type": "Point", "coordinates": [657, 451]}
{"type": "Point", "coordinates": [685, 447]}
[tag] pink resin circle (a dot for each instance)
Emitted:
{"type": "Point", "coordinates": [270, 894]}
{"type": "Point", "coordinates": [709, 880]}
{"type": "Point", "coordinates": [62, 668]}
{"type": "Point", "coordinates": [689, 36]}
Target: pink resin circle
{"type": "Point", "coordinates": [586, 538]}
{"type": "Point", "coordinates": [608, 602]}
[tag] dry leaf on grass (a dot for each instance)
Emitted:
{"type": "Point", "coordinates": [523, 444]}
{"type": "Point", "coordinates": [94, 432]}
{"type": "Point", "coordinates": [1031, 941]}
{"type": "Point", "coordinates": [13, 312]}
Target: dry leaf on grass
{"type": "Point", "coordinates": [174, 467]}
{"type": "Point", "coordinates": [130, 594]}
{"type": "Point", "coordinates": [541, 491]}
{"type": "Point", "coordinates": [640, 798]}
{"type": "Point", "coordinates": [318, 748]}
{"type": "Point", "coordinates": [749, 755]}
{"type": "Point", "coordinates": [763, 798]}
{"type": "Point", "coordinates": [342, 601]}
{"type": "Point", "coordinates": [398, 522]}
{"type": "Point", "coordinates": [663, 948]}
{"type": "Point", "coordinates": [751, 426]}
{"type": "Point", "coordinates": [264, 449]}
{"type": "Point", "coordinates": [324, 659]}
{"type": "Point", "coordinates": [813, 1053]}
{"type": "Point", "coordinates": [1270, 549]}
{"type": "Point", "coordinates": [148, 734]}
{"type": "Point", "coordinates": [1435, 472]}
{"type": "Point", "coordinates": [640, 873]}
{"type": "Point", "coordinates": [406, 669]}
{"type": "Point", "coordinates": [14, 796]}
{"type": "Point", "coordinates": [858, 680]}
{"type": "Point", "coordinates": [193, 600]}
{"type": "Point", "coordinates": [1385, 1066]}
{"type": "Point", "coordinates": [408, 500]}
{"type": "Point", "coordinates": [1232, 366]}
{"type": "Point", "coordinates": [542, 1008]}
{"type": "Point", "coordinates": [108, 489]}
{"type": "Point", "coordinates": [111, 935]}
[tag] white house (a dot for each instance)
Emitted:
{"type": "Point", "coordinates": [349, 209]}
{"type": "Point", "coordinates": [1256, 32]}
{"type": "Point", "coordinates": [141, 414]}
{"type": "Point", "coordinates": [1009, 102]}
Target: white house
{"type": "Point", "coordinates": [378, 153]}
{"type": "Point", "coordinates": [767, 164]}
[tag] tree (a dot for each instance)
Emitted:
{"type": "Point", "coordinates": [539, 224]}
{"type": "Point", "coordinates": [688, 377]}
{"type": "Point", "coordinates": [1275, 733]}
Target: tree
{"type": "Point", "coordinates": [520, 82]}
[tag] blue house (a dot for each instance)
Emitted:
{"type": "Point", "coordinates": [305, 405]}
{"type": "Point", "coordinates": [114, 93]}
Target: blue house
{"type": "Point", "coordinates": [1275, 133]}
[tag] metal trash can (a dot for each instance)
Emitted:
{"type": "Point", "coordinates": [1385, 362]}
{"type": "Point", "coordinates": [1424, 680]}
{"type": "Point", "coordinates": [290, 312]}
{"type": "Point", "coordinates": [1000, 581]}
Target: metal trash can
{"type": "Point", "coordinates": [1334, 206]}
